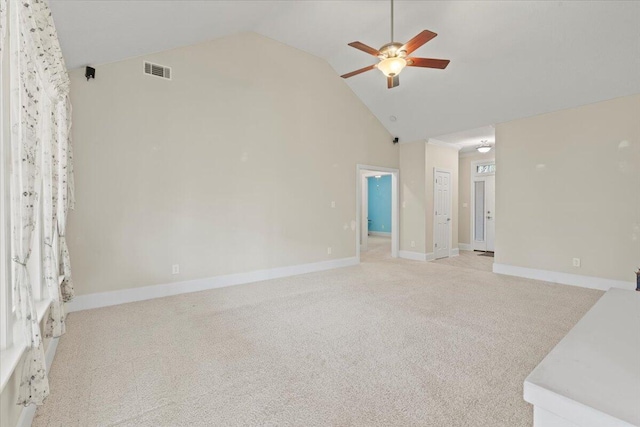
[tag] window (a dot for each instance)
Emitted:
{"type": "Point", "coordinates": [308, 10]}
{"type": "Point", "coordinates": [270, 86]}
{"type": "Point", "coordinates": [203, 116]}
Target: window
{"type": "Point", "coordinates": [489, 168]}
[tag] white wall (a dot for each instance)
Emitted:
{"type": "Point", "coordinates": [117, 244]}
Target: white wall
{"type": "Point", "coordinates": [230, 167]}
{"type": "Point", "coordinates": [568, 186]}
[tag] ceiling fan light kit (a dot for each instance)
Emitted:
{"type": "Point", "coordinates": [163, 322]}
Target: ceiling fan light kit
{"type": "Point", "coordinates": [394, 56]}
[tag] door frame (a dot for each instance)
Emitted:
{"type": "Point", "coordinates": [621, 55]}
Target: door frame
{"type": "Point", "coordinates": [395, 213]}
{"type": "Point", "coordinates": [472, 205]}
{"type": "Point", "coordinates": [433, 247]}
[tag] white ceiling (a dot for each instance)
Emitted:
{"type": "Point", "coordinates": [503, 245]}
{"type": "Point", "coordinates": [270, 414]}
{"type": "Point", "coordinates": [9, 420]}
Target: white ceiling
{"type": "Point", "coordinates": [509, 59]}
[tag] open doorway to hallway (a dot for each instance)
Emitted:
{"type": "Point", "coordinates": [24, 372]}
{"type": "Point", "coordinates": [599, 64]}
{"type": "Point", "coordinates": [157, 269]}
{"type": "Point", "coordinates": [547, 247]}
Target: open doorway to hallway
{"type": "Point", "coordinates": [377, 212]}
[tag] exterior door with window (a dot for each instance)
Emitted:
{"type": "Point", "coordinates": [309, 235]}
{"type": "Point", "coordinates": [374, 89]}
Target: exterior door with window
{"type": "Point", "coordinates": [484, 207]}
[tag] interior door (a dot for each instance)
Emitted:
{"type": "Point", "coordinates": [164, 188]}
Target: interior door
{"type": "Point", "coordinates": [484, 206]}
{"type": "Point", "coordinates": [442, 214]}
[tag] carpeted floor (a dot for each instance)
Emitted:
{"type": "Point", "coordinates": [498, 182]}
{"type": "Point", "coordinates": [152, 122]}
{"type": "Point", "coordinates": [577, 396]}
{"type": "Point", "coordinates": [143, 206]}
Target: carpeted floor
{"type": "Point", "coordinates": [385, 343]}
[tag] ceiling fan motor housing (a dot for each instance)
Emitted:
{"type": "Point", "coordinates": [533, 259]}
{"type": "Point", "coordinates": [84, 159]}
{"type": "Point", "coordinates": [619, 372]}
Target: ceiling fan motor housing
{"type": "Point", "coordinates": [392, 50]}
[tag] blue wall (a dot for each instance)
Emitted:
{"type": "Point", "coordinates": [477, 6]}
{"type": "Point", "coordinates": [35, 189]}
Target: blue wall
{"type": "Point", "coordinates": [380, 203]}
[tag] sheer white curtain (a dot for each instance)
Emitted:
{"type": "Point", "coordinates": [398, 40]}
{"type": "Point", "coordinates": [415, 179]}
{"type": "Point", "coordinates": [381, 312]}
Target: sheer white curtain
{"type": "Point", "coordinates": [40, 123]}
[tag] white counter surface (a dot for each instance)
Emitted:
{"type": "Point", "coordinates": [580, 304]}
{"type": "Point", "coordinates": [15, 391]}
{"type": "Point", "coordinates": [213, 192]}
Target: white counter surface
{"type": "Point", "coordinates": [592, 377]}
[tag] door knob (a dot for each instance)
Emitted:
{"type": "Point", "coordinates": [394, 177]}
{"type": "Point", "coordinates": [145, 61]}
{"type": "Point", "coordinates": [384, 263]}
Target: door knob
{"type": "Point", "coordinates": [448, 219]}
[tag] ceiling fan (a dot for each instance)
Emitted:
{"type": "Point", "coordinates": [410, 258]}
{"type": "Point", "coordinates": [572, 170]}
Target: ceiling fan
{"type": "Point", "coordinates": [394, 56]}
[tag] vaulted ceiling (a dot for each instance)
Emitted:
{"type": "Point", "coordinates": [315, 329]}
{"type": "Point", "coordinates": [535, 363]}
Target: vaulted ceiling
{"type": "Point", "coordinates": [509, 59]}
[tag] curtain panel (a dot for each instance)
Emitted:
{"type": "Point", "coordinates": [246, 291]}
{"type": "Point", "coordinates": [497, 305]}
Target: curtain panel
{"type": "Point", "coordinates": [41, 168]}
{"type": "Point", "coordinates": [26, 110]}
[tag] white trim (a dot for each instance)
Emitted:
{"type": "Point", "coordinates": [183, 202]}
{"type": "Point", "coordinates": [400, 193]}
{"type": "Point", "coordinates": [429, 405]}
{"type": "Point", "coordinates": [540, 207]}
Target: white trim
{"type": "Point", "coordinates": [563, 278]}
{"type": "Point", "coordinates": [416, 256]}
{"type": "Point", "coordinates": [28, 413]}
{"type": "Point", "coordinates": [455, 252]}
{"type": "Point", "coordinates": [395, 214]}
{"type": "Point", "coordinates": [454, 146]}
{"type": "Point", "coordinates": [380, 233]}
{"type": "Point", "coordinates": [465, 246]}
{"type": "Point", "coordinates": [105, 299]}
{"type": "Point", "coordinates": [435, 171]}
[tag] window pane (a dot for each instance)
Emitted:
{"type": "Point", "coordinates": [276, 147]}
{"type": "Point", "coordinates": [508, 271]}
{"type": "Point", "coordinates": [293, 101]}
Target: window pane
{"type": "Point", "coordinates": [486, 168]}
{"type": "Point", "coordinates": [479, 211]}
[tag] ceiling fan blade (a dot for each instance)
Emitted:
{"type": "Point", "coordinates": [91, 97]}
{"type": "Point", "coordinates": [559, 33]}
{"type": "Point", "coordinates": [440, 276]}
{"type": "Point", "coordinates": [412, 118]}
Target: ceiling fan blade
{"type": "Point", "coordinates": [393, 82]}
{"type": "Point", "coordinates": [418, 41]}
{"type": "Point", "coordinates": [428, 63]}
{"type": "Point", "coordinates": [363, 47]}
{"type": "Point", "coordinates": [356, 72]}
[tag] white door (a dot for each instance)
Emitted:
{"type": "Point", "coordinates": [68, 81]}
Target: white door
{"type": "Point", "coordinates": [490, 212]}
{"type": "Point", "coordinates": [442, 214]}
{"type": "Point", "coordinates": [484, 217]}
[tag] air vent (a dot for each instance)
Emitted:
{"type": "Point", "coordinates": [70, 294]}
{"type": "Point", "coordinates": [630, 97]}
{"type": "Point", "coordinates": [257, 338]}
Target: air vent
{"type": "Point", "coordinates": [157, 70]}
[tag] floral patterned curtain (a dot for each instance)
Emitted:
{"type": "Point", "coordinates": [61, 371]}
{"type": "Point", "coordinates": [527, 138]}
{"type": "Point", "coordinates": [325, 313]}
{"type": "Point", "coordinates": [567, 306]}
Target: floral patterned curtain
{"type": "Point", "coordinates": [3, 23]}
{"type": "Point", "coordinates": [40, 122]}
{"type": "Point", "coordinates": [26, 101]}
{"type": "Point", "coordinates": [66, 198]}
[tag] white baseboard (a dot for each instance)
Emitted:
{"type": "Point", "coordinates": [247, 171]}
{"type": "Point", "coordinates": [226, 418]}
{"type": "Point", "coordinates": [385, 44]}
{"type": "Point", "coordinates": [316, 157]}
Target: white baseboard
{"type": "Point", "coordinates": [563, 278]}
{"type": "Point", "coordinates": [380, 233]}
{"type": "Point", "coordinates": [416, 256]}
{"type": "Point", "coordinates": [27, 414]}
{"type": "Point", "coordinates": [465, 246]}
{"type": "Point", "coordinates": [105, 299]}
{"type": "Point", "coordinates": [455, 252]}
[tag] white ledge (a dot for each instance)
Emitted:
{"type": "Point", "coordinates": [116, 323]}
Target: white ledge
{"type": "Point", "coordinates": [592, 377]}
{"type": "Point", "coordinates": [11, 356]}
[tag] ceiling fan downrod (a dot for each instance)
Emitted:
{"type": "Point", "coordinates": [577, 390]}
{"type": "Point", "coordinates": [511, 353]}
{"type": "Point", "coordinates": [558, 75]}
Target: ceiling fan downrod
{"type": "Point", "coordinates": [391, 21]}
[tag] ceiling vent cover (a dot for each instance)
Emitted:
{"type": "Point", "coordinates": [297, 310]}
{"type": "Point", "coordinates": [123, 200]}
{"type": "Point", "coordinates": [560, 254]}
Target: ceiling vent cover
{"type": "Point", "coordinates": [157, 70]}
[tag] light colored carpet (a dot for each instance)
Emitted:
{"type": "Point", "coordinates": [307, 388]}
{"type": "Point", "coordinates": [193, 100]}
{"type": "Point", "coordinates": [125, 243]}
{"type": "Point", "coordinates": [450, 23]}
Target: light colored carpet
{"type": "Point", "coordinates": [385, 343]}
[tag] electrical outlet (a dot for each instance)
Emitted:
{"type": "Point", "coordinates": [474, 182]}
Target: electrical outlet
{"type": "Point", "coordinates": [576, 262]}
{"type": "Point", "coordinates": [413, 243]}
{"type": "Point", "coordinates": [175, 269]}
{"type": "Point", "coordinates": [329, 251]}
{"type": "Point", "coordinates": [382, 226]}
{"type": "Point", "coordinates": [333, 204]}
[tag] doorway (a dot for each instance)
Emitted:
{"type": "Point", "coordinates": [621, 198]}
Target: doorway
{"type": "Point", "coordinates": [442, 205]}
{"type": "Point", "coordinates": [385, 228]}
{"type": "Point", "coordinates": [483, 200]}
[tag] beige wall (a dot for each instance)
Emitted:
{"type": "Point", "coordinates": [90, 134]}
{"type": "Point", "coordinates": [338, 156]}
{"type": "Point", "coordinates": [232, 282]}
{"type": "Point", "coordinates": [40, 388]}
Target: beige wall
{"type": "Point", "coordinates": [569, 186]}
{"type": "Point", "coordinates": [464, 193]}
{"type": "Point", "coordinates": [412, 197]}
{"type": "Point", "coordinates": [417, 163]}
{"type": "Point", "coordinates": [230, 167]}
{"type": "Point", "coordinates": [442, 158]}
